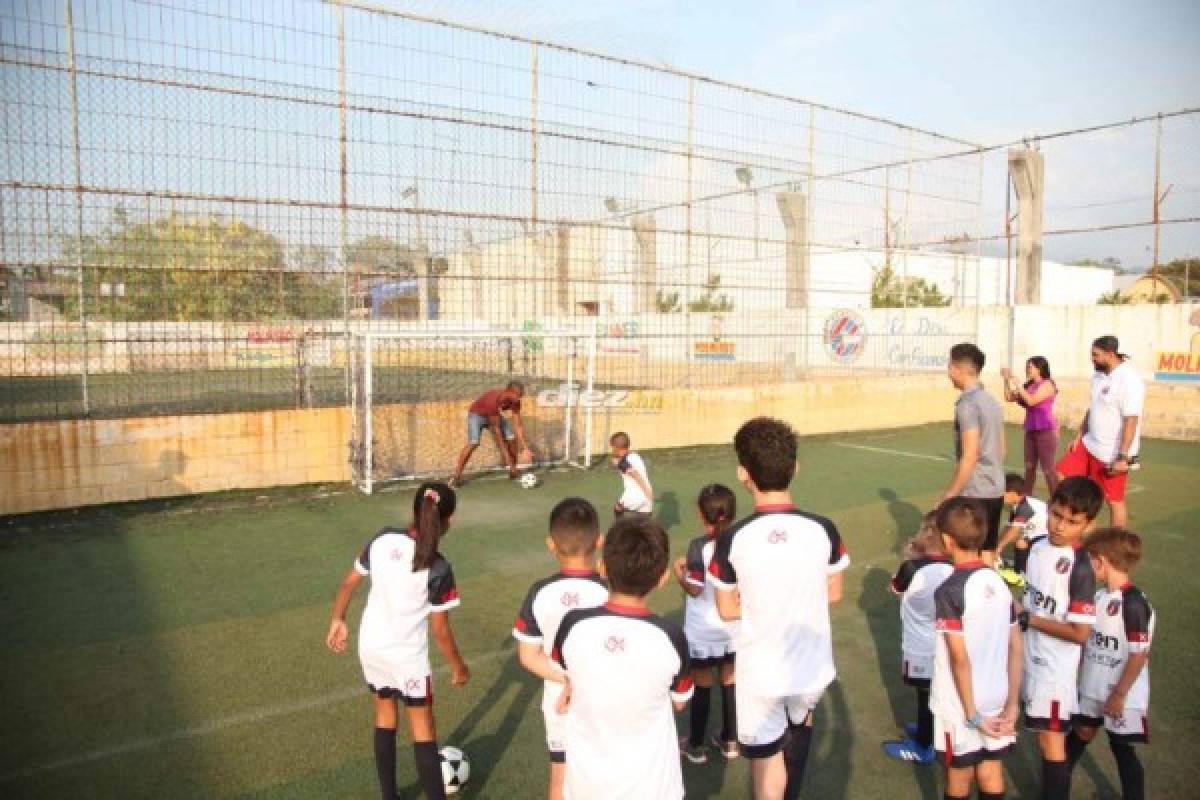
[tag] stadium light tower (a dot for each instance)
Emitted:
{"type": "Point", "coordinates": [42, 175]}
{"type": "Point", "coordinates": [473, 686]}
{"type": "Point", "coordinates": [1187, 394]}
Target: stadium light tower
{"type": "Point", "coordinates": [745, 177]}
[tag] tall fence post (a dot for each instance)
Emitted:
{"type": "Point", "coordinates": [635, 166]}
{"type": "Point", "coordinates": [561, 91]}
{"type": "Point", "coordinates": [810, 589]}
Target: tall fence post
{"type": "Point", "coordinates": [689, 345]}
{"type": "Point", "coordinates": [85, 400]}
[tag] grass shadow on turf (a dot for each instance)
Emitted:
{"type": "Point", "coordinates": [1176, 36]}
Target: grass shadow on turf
{"type": "Point", "coordinates": [668, 510]}
{"type": "Point", "coordinates": [830, 765]}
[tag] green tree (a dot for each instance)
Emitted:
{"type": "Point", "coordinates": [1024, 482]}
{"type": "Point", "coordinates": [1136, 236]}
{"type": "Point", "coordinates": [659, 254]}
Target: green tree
{"type": "Point", "coordinates": [710, 300]}
{"type": "Point", "coordinates": [888, 290]}
{"type": "Point", "coordinates": [667, 302]}
{"type": "Point", "coordinates": [1184, 273]}
{"type": "Point", "coordinates": [379, 255]}
{"type": "Point", "coordinates": [1113, 298]}
{"type": "Point", "coordinates": [184, 269]}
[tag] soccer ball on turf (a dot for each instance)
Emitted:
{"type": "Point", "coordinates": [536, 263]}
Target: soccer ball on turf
{"type": "Point", "coordinates": [456, 769]}
{"type": "Point", "coordinates": [529, 481]}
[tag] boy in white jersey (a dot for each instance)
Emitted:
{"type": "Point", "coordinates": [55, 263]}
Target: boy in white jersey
{"type": "Point", "coordinates": [1026, 521]}
{"type": "Point", "coordinates": [637, 496]}
{"type": "Point", "coordinates": [777, 571]}
{"type": "Point", "coordinates": [574, 532]}
{"type": "Point", "coordinates": [975, 693]}
{"type": "Point", "coordinates": [924, 569]}
{"type": "Point", "coordinates": [710, 640]}
{"type": "Point", "coordinates": [627, 671]}
{"type": "Point", "coordinates": [1114, 690]}
{"type": "Point", "coordinates": [1058, 614]}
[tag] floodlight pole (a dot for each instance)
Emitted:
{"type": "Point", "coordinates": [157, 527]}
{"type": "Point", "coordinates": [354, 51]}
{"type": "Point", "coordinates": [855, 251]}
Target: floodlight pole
{"type": "Point", "coordinates": [79, 266]}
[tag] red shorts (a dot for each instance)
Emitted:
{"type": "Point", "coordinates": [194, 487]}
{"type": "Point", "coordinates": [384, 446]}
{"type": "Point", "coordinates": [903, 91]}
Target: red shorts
{"type": "Point", "coordinates": [1080, 461]}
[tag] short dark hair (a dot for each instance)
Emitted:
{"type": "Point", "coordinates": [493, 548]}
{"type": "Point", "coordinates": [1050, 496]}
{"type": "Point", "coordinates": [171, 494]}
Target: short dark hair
{"type": "Point", "coordinates": [515, 386]}
{"type": "Point", "coordinates": [1107, 343]}
{"type": "Point", "coordinates": [574, 526]}
{"type": "Point", "coordinates": [619, 439]}
{"type": "Point", "coordinates": [1014, 483]}
{"type": "Point", "coordinates": [718, 505]}
{"type": "Point", "coordinates": [1121, 546]}
{"type": "Point", "coordinates": [636, 550]}
{"type": "Point", "coordinates": [766, 449]}
{"type": "Point", "coordinates": [968, 353]}
{"type": "Point", "coordinates": [1080, 494]}
{"type": "Point", "coordinates": [964, 520]}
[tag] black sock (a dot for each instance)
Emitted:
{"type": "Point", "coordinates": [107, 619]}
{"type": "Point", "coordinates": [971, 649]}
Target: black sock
{"type": "Point", "coordinates": [990, 795]}
{"type": "Point", "coordinates": [429, 769]}
{"type": "Point", "coordinates": [1075, 748]}
{"type": "Point", "coordinates": [795, 756]}
{"type": "Point", "coordinates": [701, 698]}
{"type": "Point", "coordinates": [385, 761]}
{"type": "Point", "coordinates": [1056, 780]}
{"type": "Point", "coordinates": [1020, 558]}
{"type": "Point", "coordinates": [729, 713]}
{"type": "Point", "coordinates": [1129, 767]}
{"type": "Point", "coordinates": [956, 797]}
{"type": "Point", "coordinates": [924, 719]}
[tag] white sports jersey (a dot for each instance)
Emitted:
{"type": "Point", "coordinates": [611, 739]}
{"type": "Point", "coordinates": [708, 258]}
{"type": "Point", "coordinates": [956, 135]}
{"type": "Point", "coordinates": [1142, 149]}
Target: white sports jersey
{"type": "Point", "coordinates": [626, 667]}
{"type": "Point", "coordinates": [393, 638]}
{"type": "Point", "coordinates": [916, 580]}
{"type": "Point", "coordinates": [708, 635]}
{"type": "Point", "coordinates": [1124, 625]}
{"type": "Point", "coordinates": [780, 560]}
{"type": "Point", "coordinates": [1059, 585]}
{"type": "Point", "coordinates": [975, 603]}
{"type": "Point", "coordinates": [1119, 394]}
{"type": "Point", "coordinates": [1032, 516]}
{"type": "Point", "coordinates": [546, 604]}
{"type": "Point", "coordinates": [632, 496]}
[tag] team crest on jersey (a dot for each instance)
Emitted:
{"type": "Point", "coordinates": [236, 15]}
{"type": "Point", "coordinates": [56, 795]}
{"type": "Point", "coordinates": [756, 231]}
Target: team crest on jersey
{"type": "Point", "coordinates": [396, 555]}
{"type": "Point", "coordinates": [1114, 607]}
{"type": "Point", "coordinates": [989, 592]}
{"type": "Point", "coordinates": [777, 536]}
{"type": "Point", "coordinates": [1062, 566]}
{"type": "Point", "coordinates": [570, 599]}
{"type": "Point", "coordinates": [412, 687]}
{"type": "Point", "coordinates": [614, 644]}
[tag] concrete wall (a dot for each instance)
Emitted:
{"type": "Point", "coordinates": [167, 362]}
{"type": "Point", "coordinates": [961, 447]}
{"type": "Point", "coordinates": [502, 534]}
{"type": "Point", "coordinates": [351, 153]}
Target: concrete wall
{"type": "Point", "coordinates": [49, 465]}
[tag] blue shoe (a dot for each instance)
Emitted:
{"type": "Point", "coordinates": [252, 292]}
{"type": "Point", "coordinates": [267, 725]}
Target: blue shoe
{"type": "Point", "coordinates": [910, 751]}
{"type": "Point", "coordinates": [910, 730]}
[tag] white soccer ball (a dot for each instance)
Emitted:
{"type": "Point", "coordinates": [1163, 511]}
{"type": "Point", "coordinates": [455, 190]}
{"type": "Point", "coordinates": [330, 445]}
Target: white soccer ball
{"type": "Point", "coordinates": [529, 481]}
{"type": "Point", "coordinates": [456, 769]}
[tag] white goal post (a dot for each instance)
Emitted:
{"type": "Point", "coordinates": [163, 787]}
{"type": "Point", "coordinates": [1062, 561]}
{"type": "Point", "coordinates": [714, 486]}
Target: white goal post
{"type": "Point", "coordinates": [409, 394]}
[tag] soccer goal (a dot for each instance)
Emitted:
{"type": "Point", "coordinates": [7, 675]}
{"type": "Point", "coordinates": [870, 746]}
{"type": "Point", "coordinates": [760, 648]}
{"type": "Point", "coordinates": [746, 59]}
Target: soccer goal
{"type": "Point", "coordinates": [410, 393]}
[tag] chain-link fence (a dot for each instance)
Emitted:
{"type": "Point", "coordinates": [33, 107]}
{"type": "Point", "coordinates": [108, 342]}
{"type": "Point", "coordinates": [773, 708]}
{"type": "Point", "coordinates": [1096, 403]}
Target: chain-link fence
{"type": "Point", "coordinates": [201, 203]}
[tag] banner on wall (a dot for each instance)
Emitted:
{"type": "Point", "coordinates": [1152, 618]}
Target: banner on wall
{"type": "Point", "coordinates": [1179, 366]}
{"type": "Point", "coordinates": [715, 347]}
{"type": "Point", "coordinates": [618, 338]}
{"type": "Point", "coordinates": [845, 336]}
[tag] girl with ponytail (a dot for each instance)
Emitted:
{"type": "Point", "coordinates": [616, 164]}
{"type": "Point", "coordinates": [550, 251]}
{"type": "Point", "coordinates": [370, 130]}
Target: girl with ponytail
{"type": "Point", "coordinates": [412, 590]}
{"type": "Point", "coordinates": [710, 639]}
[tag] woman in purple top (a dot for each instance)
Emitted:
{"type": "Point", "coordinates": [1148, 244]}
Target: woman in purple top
{"type": "Point", "coordinates": [1036, 396]}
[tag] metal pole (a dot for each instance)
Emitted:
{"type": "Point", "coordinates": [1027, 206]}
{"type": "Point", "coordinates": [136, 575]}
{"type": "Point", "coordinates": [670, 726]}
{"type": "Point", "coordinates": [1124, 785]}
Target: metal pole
{"type": "Point", "coordinates": [344, 201]}
{"type": "Point", "coordinates": [1157, 200]}
{"type": "Point", "coordinates": [1007, 240]}
{"type": "Point", "coordinates": [369, 404]}
{"type": "Point", "coordinates": [85, 400]}
{"type": "Point", "coordinates": [587, 412]}
{"type": "Point", "coordinates": [571, 395]}
{"type": "Point", "coordinates": [533, 139]}
{"type": "Point", "coordinates": [754, 194]}
{"type": "Point", "coordinates": [687, 287]}
{"type": "Point", "coordinates": [904, 254]}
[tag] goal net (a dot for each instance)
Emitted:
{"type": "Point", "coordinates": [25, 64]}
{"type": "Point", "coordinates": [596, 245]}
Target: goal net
{"type": "Point", "coordinates": [410, 394]}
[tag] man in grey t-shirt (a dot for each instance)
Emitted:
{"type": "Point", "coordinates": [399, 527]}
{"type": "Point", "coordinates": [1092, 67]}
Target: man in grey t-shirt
{"type": "Point", "coordinates": [978, 440]}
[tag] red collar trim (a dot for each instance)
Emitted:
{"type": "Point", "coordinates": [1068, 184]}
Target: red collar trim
{"type": "Point", "coordinates": [775, 507]}
{"type": "Point", "coordinates": [1125, 587]}
{"type": "Point", "coordinates": [578, 573]}
{"type": "Point", "coordinates": [970, 564]}
{"type": "Point", "coordinates": [937, 557]}
{"type": "Point", "coordinates": [634, 611]}
{"type": "Point", "coordinates": [412, 533]}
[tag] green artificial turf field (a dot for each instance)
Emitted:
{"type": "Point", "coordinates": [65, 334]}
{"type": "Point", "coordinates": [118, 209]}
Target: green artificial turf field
{"type": "Point", "coordinates": [176, 649]}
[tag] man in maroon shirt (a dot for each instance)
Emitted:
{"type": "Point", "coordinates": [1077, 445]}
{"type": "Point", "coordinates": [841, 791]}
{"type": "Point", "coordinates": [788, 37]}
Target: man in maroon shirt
{"type": "Point", "coordinates": [485, 412]}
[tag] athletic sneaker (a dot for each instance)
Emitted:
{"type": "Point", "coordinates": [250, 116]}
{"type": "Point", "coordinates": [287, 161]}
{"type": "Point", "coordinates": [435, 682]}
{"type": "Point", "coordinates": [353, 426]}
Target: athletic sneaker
{"type": "Point", "coordinates": [696, 755]}
{"type": "Point", "coordinates": [910, 751]}
{"type": "Point", "coordinates": [1011, 576]}
{"type": "Point", "coordinates": [726, 747]}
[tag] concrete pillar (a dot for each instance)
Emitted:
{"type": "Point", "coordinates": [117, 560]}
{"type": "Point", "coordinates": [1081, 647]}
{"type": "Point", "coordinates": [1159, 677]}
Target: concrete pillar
{"type": "Point", "coordinates": [562, 272]}
{"type": "Point", "coordinates": [793, 208]}
{"type": "Point", "coordinates": [1029, 180]}
{"type": "Point", "coordinates": [646, 272]}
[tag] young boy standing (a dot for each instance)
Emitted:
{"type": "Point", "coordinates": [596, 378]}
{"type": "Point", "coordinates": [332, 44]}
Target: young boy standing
{"type": "Point", "coordinates": [1059, 611]}
{"type": "Point", "coordinates": [574, 532]}
{"type": "Point", "coordinates": [637, 497]}
{"type": "Point", "coordinates": [627, 672]}
{"type": "Point", "coordinates": [977, 663]}
{"type": "Point", "coordinates": [1114, 690]}
{"type": "Point", "coordinates": [777, 571]}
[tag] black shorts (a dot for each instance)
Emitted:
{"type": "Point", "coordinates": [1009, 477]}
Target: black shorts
{"type": "Point", "coordinates": [994, 506]}
{"type": "Point", "coordinates": [710, 663]}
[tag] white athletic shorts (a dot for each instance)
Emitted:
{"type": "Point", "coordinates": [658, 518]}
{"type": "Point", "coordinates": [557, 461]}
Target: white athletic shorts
{"type": "Point", "coordinates": [959, 745]}
{"type": "Point", "coordinates": [763, 721]}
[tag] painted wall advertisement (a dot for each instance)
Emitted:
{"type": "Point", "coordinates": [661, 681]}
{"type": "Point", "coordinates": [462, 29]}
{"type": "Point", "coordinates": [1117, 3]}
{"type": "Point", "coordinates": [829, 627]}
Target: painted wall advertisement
{"type": "Point", "coordinates": [918, 342]}
{"type": "Point", "coordinates": [715, 347]}
{"type": "Point", "coordinates": [1181, 366]}
{"type": "Point", "coordinates": [618, 338]}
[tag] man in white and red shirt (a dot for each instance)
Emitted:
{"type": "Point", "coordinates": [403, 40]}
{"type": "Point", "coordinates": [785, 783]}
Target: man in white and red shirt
{"type": "Point", "coordinates": [1110, 434]}
{"type": "Point", "coordinates": [777, 571]}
